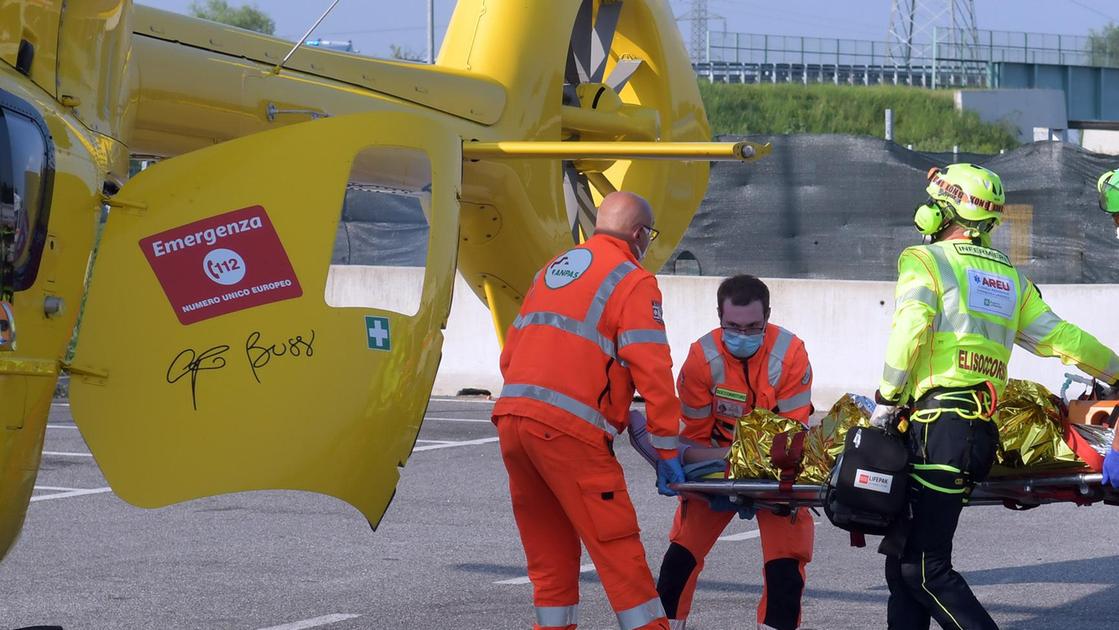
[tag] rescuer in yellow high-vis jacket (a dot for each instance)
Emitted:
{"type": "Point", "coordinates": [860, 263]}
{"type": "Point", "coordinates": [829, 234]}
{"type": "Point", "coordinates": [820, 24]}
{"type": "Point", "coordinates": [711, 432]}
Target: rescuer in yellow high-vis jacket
{"type": "Point", "coordinates": [960, 307]}
{"type": "Point", "coordinates": [1108, 188]}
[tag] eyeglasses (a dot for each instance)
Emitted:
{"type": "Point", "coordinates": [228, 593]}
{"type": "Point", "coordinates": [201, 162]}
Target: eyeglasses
{"type": "Point", "coordinates": [752, 330]}
{"type": "Point", "coordinates": [653, 232]}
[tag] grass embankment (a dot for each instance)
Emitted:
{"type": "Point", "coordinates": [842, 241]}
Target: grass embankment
{"type": "Point", "coordinates": [927, 119]}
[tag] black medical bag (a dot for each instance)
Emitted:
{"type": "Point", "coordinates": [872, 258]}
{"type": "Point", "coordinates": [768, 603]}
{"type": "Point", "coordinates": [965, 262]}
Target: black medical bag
{"type": "Point", "coordinates": [867, 489]}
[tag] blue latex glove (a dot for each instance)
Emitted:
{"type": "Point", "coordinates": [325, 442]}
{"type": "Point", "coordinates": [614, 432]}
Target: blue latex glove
{"type": "Point", "coordinates": [669, 471]}
{"type": "Point", "coordinates": [1111, 469]}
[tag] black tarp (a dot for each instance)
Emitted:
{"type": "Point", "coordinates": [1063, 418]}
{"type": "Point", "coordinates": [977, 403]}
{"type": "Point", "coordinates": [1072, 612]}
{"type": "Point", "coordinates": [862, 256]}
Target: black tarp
{"type": "Point", "coordinates": [379, 228]}
{"type": "Point", "coordinates": [829, 206]}
{"type": "Point", "coordinates": [841, 207]}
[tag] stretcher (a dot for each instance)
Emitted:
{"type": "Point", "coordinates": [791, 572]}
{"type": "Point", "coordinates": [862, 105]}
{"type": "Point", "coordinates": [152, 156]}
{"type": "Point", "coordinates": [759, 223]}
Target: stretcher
{"type": "Point", "coordinates": [1017, 493]}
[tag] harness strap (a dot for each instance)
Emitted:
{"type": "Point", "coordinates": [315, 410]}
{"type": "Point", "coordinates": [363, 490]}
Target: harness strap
{"type": "Point", "coordinates": [786, 455]}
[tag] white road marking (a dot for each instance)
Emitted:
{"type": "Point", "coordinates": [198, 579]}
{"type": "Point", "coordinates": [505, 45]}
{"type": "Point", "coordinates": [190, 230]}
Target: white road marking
{"type": "Point", "coordinates": [66, 454]}
{"type": "Point", "coordinates": [436, 441]}
{"type": "Point", "coordinates": [325, 620]}
{"type": "Point", "coordinates": [432, 447]}
{"type": "Point", "coordinates": [60, 404]}
{"type": "Point", "coordinates": [753, 533]}
{"type": "Point", "coordinates": [472, 401]}
{"type": "Point", "coordinates": [62, 426]}
{"type": "Point", "coordinates": [69, 492]}
{"type": "Point", "coordinates": [586, 568]}
{"type": "Point", "coordinates": [473, 420]}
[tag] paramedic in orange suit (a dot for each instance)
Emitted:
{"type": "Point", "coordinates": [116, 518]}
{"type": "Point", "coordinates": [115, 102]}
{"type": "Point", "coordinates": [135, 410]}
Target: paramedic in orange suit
{"type": "Point", "coordinates": [589, 331]}
{"type": "Point", "coordinates": [744, 364]}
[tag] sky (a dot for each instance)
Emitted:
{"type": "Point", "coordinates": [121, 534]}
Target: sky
{"type": "Point", "coordinates": [375, 25]}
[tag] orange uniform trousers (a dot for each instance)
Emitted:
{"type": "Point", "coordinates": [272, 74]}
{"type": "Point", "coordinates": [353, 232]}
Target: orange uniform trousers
{"type": "Point", "coordinates": [697, 527]}
{"type": "Point", "coordinates": [566, 490]}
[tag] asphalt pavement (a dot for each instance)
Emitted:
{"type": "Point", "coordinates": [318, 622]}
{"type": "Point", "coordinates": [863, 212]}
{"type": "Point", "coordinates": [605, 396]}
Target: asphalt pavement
{"type": "Point", "coordinates": [447, 554]}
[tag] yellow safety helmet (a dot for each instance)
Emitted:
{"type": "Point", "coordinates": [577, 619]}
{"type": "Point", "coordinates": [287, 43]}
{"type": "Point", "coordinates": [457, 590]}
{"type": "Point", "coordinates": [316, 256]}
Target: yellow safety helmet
{"type": "Point", "coordinates": [963, 193]}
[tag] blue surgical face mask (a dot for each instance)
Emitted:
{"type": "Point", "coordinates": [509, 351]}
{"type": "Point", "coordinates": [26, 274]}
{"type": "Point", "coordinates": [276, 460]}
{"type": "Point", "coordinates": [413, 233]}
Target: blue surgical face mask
{"type": "Point", "coordinates": [742, 345]}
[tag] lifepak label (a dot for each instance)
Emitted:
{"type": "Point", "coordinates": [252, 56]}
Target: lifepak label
{"type": "Point", "coordinates": [991, 293]}
{"type": "Point", "coordinates": [567, 268]}
{"type": "Point", "coordinates": [967, 249]}
{"type": "Point", "coordinates": [221, 264]}
{"type": "Point", "coordinates": [873, 481]}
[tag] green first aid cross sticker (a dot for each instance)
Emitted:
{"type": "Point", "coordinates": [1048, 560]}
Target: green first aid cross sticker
{"type": "Point", "coordinates": [377, 333]}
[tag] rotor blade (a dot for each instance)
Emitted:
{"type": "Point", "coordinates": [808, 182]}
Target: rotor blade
{"type": "Point", "coordinates": [579, 51]}
{"type": "Point", "coordinates": [605, 25]}
{"type": "Point", "coordinates": [580, 203]}
{"type": "Point", "coordinates": [622, 72]}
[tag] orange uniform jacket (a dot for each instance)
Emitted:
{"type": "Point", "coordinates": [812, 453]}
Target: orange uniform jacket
{"type": "Point", "coordinates": [590, 329]}
{"type": "Point", "coordinates": [716, 388]}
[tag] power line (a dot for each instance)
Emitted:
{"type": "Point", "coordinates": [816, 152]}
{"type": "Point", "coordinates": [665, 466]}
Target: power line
{"type": "Point", "coordinates": [1092, 9]}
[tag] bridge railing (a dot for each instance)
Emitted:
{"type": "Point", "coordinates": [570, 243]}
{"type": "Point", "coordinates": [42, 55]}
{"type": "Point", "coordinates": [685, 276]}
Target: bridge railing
{"type": "Point", "coordinates": [953, 58]}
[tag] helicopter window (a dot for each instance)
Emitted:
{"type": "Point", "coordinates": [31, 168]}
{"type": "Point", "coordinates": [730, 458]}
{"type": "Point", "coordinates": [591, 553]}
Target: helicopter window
{"type": "Point", "coordinates": [380, 251]}
{"type": "Point", "coordinates": [25, 177]}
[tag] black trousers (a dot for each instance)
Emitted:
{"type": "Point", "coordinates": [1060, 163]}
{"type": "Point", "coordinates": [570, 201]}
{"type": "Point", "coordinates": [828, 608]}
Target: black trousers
{"type": "Point", "coordinates": [949, 454]}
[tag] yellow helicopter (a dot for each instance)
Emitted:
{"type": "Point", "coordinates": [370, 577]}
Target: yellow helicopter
{"type": "Point", "coordinates": [208, 360]}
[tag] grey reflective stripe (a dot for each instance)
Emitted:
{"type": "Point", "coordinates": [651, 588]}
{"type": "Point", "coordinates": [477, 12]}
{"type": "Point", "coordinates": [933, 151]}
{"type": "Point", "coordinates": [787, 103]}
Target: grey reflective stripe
{"type": "Point", "coordinates": [562, 401]}
{"type": "Point", "coordinates": [796, 402]}
{"type": "Point", "coordinates": [640, 615]}
{"type": "Point", "coordinates": [644, 335]}
{"type": "Point", "coordinates": [1028, 344]}
{"type": "Point", "coordinates": [714, 359]}
{"type": "Point", "coordinates": [923, 295]}
{"type": "Point", "coordinates": [1040, 328]}
{"type": "Point", "coordinates": [588, 327]}
{"type": "Point", "coordinates": [777, 355]}
{"type": "Point", "coordinates": [605, 290]}
{"type": "Point", "coordinates": [1112, 372]}
{"type": "Point", "coordinates": [567, 324]}
{"type": "Point", "coordinates": [557, 616]}
{"type": "Point", "coordinates": [894, 376]}
{"type": "Point", "coordinates": [953, 319]}
{"type": "Point", "coordinates": [665, 443]}
{"type": "Point", "coordinates": [690, 443]}
{"type": "Point", "coordinates": [695, 413]}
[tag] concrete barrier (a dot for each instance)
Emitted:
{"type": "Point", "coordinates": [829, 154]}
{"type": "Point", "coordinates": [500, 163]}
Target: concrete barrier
{"type": "Point", "coordinates": [844, 325]}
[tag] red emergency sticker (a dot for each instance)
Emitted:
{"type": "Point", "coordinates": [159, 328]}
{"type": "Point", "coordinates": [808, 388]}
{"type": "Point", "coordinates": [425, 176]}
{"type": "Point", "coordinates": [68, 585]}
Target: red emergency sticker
{"type": "Point", "coordinates": [221, 264]}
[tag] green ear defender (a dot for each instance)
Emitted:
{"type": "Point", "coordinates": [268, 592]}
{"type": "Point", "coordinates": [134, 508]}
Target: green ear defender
{"type": "Point", "coordinates": [930, 218]}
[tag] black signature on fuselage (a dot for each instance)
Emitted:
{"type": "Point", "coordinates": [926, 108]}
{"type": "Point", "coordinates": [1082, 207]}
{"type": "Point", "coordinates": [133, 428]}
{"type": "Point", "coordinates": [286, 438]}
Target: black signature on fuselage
{"type": "Point", "coordinates": [190, 362]}
{"type": "Point", "coordinates": [260, 353]}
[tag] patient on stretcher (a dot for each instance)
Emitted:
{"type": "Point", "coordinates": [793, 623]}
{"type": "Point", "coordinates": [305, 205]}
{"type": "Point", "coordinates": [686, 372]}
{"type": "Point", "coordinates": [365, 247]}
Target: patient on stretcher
{"type": "Point", "coordinates": [1035, 434]}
